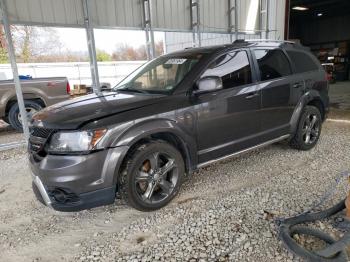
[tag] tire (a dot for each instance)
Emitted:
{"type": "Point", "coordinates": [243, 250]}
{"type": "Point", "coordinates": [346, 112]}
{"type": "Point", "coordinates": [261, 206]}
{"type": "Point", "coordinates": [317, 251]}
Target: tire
{"type": "Point", "coordinates": [152, 176]}
{"type": "Point", "coordinates": [14, 114]}
{"type": "Point", "coordinates": [308, 130]}
{"type": "Point", "coordinates": [6, 120]}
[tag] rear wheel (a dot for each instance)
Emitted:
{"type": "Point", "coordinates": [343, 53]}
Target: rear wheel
{"type": "Point", "coordinates": [308, 130]}
{"type": "Point", "coordinates": [14, 116]}
{"type": "Point", "coordinates": [152, 176]}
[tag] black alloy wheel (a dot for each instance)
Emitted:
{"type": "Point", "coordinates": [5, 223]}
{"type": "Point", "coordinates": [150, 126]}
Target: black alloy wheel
{"type": "Point", "coordinates": [311, 128]}
{"type": "Point", "coordinates": [156, 178]}
{"type": "Point", "coordinates": [152, 176]}
{"type": "Point", "coordinates": [308, 130]}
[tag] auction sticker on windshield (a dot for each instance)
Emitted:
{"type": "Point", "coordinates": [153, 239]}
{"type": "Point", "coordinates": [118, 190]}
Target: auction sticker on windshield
{"type": "Point", "coordinates": [176, 61]}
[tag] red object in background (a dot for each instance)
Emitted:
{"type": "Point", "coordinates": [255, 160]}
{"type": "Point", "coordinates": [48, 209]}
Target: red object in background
{"type": "Point", "coordinates": [68, 88]}
{"type": "Point", "coordinates": [330, 72]}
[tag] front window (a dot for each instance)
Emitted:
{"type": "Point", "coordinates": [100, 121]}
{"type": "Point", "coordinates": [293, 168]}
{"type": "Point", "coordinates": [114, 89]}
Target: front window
{"type": "Point", "coordinates": [161, 75]}
{"type": "Point", "coordinates": [233, 68]}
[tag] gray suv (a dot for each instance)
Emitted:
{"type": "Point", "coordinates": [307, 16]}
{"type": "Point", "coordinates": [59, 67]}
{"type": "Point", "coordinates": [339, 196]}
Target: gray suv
{"type": "Point", "coordinates": [171, 116]}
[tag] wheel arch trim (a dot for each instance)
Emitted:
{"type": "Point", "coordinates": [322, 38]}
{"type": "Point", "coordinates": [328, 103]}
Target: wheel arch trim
{"type": "Point", "coordinates": [308, 97]}
{"type": "Point", "coordinates": [155, 128]}
{"type": "Point", "coordinates": [26, 97]}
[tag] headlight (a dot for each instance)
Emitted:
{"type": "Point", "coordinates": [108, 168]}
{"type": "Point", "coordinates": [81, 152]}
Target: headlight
{"type": "Point", "coordinates": [82, 141]}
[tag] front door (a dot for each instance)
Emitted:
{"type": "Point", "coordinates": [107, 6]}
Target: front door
{"type": "Point", "coordinates": [228, 120]}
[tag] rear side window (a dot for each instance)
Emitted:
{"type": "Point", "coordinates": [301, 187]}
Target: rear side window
{"type": "Point", "coordinates": [233, 68]}
{"type": "Point", "coordinates": [272, 64]}
{"type": "Point", "coordinates": [302, 61]}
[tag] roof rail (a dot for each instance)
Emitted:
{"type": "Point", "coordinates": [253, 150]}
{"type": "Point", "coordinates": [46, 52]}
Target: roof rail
{"type": "Point", "coordinates": [270, 40]}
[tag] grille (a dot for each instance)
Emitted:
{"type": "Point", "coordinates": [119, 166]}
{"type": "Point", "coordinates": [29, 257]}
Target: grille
{"type": "Point", "coordinates": [40, 132]}
{"type": "Point", "coordinates": [35, 147]}
{"type": "Point", "coordinates": [37, 140]}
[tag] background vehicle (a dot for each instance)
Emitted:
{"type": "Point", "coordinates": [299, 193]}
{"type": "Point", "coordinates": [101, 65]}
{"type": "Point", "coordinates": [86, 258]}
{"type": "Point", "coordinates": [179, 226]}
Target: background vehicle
{"type": "Point", "coordinates": [37, 93]}
{"type": "Point", "coordinates": [175, 114]}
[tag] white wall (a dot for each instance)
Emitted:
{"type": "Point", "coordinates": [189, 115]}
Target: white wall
{"type": "Point", "coordinates": [77, 73]}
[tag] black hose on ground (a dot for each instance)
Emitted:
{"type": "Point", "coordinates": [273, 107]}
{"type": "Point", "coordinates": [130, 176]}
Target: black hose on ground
{"type": "Point", "coordinates": [334, 252]}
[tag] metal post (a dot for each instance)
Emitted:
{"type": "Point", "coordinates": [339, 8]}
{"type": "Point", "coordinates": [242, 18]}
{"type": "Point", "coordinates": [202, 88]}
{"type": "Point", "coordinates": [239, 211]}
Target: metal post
{"type": "Point", "coordinates": [148, 51]}
{"type": "Point", "coordinates": [229, 14]}
{"type": "Point", "coordinates": [153, 49]}
{"type": "Point", "coordinates": [264, 11]}
{"type": "Point", "coordinates": [91, 47]}
{"type": "Point", "coordinates": [267, 18]}
{"type": "Point", "coordinates": [144, 18]}
{"type": "Point", "coordinates": [195, 21]}
{"type": "Point", "coordinates": [232, 9]}
{"type": "Point", "coordinates": [12, 57]}
{"type": "Point", "coordinates": [147, 20]}
{"type": "Point", "coordinates": [198, 26]}
{"type": "Point", "coordinates": [236, 20]}
{"type": "Point", "coordinates": [261, 13]}
{"type": "Point", "coordinates": [165, 47]}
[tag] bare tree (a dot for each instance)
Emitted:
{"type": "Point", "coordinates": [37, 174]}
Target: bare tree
{"type": "Point", "coordinates": [35, 43]}
{"type": "Point", "coordinates": [159, 46]}
{"type": "Point", "coordinates": [125, 52]}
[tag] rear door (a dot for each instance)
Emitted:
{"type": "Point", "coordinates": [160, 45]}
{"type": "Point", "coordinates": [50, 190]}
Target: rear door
{"type": "Point", "coordinates": [308, 70]}
{"type": "Point", "coordinates": [277, 94]}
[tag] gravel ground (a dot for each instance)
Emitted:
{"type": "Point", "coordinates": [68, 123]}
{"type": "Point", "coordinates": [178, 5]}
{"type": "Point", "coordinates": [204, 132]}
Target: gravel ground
{"type": "Point", "coordinates": [223, 213]}
{"type": "Point", "coordinates": [8, 134]}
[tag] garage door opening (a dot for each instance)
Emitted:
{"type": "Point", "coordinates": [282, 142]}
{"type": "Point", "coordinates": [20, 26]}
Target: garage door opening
{"type": "Point", "coordinates": [323, 27]}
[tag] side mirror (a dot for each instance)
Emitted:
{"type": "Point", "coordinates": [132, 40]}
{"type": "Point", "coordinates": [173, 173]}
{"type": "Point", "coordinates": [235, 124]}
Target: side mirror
{"type": "Point", "coordinates": [208, 84]}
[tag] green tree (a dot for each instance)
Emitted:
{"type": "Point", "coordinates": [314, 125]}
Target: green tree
{"type": "Point", "coordinates": [3, 50]}
{"type": "Point", "coordinates": [102, 56]}
{"type": "Point", "coordinates": [3, 56]}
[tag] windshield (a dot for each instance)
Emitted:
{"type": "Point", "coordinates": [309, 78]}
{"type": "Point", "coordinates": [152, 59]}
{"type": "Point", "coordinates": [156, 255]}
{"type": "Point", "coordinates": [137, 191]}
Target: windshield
{"type": "Point", "coordinates": [160, 75]}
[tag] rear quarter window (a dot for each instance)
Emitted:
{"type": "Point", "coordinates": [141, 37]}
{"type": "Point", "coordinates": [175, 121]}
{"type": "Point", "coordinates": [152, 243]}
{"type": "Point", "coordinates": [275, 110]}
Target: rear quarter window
{"type": "Point", "coordinates": [303, 62]}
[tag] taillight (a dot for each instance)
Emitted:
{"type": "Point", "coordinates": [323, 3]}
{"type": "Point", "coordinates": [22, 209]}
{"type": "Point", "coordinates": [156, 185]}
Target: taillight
{"type": "Point", "coordinates": [68, 88]}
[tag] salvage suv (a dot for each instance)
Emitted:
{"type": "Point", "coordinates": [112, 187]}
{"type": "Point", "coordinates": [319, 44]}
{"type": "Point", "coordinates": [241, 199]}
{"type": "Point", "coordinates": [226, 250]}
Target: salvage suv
{"type": "Point", "coordinates": [171, 116]}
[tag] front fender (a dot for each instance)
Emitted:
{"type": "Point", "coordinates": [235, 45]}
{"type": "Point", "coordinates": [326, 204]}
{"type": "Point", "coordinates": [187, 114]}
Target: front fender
{"type": "Point", "coordinates": [134, 131]}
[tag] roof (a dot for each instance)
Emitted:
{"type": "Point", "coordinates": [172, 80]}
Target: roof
{"type": "Point", "coordinates": [241, 43]}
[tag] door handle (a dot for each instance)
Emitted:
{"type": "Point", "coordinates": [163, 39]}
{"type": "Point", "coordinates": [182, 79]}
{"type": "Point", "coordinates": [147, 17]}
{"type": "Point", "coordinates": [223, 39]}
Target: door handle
{"type": "Point", "coordinates": [252, 95]}
{"type": "Point", "coordinates": [297, 85]}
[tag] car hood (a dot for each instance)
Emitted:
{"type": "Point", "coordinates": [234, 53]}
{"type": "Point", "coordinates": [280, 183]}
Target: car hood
{"type": "Point", "coordinates": [73, 113]}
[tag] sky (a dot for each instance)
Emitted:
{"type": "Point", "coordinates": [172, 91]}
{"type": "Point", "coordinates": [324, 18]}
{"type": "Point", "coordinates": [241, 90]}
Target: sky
{"type": "Point", "coordinates": [106, 39]}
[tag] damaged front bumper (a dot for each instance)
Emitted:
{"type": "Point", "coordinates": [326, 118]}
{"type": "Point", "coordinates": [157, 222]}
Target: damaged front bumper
{"type": "Point", "coordinates": [77, 182]}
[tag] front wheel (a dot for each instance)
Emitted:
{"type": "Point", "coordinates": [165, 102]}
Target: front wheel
{"type": "Point", "coordinates": [308, 130]}
{"type": "Point", "coordinates": [152, 176]}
